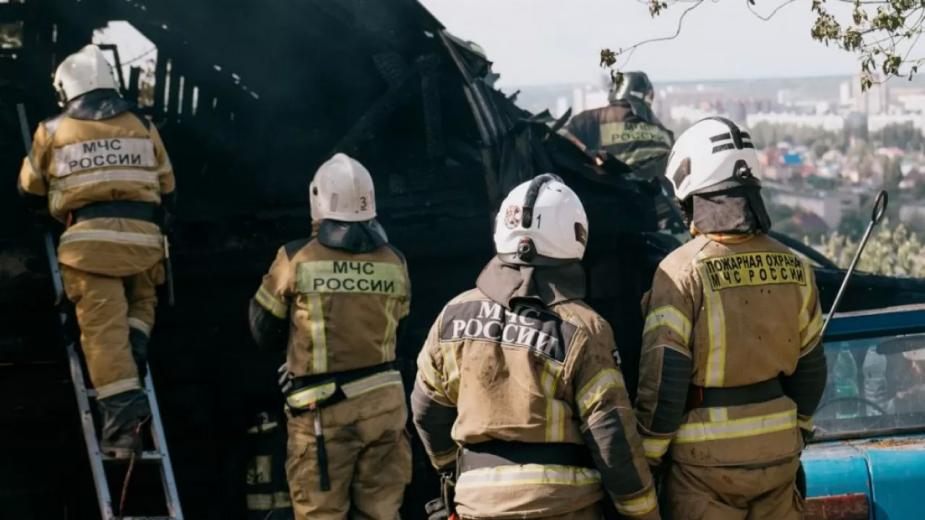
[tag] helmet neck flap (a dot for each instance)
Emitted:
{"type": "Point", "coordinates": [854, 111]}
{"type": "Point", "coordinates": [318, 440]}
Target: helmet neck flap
{"type": "Point", "coordinates": [355, 237]}
{"type": "Point", "coordinates": [714, 179]}
{"type": "Point", "coordinates": [97, 105]}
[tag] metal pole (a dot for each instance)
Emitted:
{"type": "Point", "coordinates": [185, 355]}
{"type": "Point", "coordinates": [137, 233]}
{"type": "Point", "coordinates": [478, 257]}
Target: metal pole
{"type": "Point", "coordinates": [875, 217]}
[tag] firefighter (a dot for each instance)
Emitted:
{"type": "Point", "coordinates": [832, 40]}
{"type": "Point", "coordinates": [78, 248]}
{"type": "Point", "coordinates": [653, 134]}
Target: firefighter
{"type": "Point", "coordinates": [732, 364]}
{"type": "Point", "coordinates": [107, 177]}
{"type": "Point", "coordinates": [517, 391]}
{"type": "Point", "coordinates": [334, 302]}
{"type": "Point", "coordinates": [626, 129]}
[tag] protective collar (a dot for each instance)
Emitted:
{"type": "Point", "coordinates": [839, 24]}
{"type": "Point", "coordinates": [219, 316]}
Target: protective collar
{"type": "Point", "coordinates": [356, 237]}
{"type": "Point", "coordinates": [639, 108]}
{"type": "Point", "coordinates": [97, 105]}
{"type": "Point", "coordinates": [503, 283]}
{"type": "Point", "coordinates": [739, 210]}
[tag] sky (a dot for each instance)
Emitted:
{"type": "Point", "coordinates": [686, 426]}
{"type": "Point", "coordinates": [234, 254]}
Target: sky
{"type": "Point", "coordinates": [546, 42]}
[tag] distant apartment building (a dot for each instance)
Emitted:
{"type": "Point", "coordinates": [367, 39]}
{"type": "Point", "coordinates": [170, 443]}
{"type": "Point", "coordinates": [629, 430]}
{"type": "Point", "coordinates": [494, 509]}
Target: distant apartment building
{"type": "Point", "coordinates": [829, 122]}
{"type": "Point", "coordinates": [831, 206]}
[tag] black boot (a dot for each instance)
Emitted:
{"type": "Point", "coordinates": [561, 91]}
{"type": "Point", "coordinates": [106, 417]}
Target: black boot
{"type": "Point", "coordinates": [139, 343]}
{"type": "Point", "coordinates": [124, 416]}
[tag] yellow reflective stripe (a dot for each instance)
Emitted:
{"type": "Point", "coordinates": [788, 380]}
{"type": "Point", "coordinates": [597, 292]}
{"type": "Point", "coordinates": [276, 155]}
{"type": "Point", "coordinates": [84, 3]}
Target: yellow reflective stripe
{"type": "Point", "coordinates": [428, 374]}
{"type": "Point", "coordinates": [140, 325]}
{"type": "Point", "coordinates": [262, 427]}
{"type": "Point", "coordinates": [118, 387]}
{"type": "Point", "coordinates": [655, 448]}
{"type": "Point", "coordinates": [595, 389]}
{"type": "Point", "coordinates": [555, 409]}
{"type": "Point", "coordinates": [736, 428]}
{"type": "Point", "coordinates": [373, 382]}
{"type": "Point", "coordinates": [388, 337]}
{"type": "Point", "coordinates": [716, 328]}
{"type": "Point", "coordinates": [805, 423]}
{"type": "Point", "coordinates": [806, 293]}
{"type": "Point", "coordinates": [718, 413]}
{"type": "Point", "coordinates": [105, 235]}
{"type": "Point", "coordinates": [307, 397]}
{"type": "Point", "coordinates": [319, 341]}
{"type": "Point", "coordinates": [637, 506]}
{"type": "Point", "coordinates": [450, 373]}
{"type": "Point", "coordinates": [669, 316]}
{"type": "Point", "coordinates": [528, 475]}
{"type": "Point", "coordinates": [267, 501]}
{"type": "Point", "coordinates": [812, 330]}
{"type": "Point", "coordinates": [271, 303]}
{"type": "Point", "coordinates": [97, 177]}
{"type": "Point", "coordinates": [34, 172]}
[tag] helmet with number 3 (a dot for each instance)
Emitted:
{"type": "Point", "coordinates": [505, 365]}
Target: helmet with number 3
{"type": "Point", "coordinates": [84, 71]}
{"type": "Point", "coordinates": [342, 189]}
{"type": "Point", "coordinates": [541, 222]}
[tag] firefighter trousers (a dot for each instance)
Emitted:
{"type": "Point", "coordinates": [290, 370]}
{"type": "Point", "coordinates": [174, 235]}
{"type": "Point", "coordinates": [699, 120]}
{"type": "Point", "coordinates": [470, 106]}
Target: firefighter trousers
{"type": "Point", "coordinates": [107, 308]}
{"type": "Point", "coordinates": [733, 493]}
{"type": "Point", "coordinates": [368, 454]}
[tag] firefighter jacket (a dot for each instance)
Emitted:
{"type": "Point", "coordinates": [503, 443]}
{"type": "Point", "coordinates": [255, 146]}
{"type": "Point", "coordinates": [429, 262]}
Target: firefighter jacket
{"type": "Point", "coordinates": [522, 359]}
{"type": "Point", "coordinates": [339, 309]}
{"type": "Point", "coordinates": [732, 313]}
{"type": "Point", "coordinates": [642, 144]}
{"type": "Point", "coordinates": [95, 153]}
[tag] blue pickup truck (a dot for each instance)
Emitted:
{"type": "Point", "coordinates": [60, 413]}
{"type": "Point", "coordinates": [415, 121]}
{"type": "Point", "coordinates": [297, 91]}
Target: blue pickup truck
{"type": "Point", "coordinates": [867, 460]}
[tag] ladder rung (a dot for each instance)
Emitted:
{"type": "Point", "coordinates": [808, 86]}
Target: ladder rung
{"type": "Point", "coordinates": [146, 456]}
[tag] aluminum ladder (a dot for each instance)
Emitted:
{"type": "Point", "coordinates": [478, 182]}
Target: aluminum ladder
{"type": "Point", "coordinates": [98, 460]}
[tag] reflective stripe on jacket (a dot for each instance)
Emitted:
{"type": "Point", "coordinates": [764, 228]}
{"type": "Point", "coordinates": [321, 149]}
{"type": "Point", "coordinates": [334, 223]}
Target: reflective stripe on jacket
{"type": "Point", "coordinates": [727, 315]}
{"type": "Point", "coordinates": [343, 307]}
{"type": "Point", "coordinates": [535, 375]}
{"type": "Point", "coordinates": [76, 162]}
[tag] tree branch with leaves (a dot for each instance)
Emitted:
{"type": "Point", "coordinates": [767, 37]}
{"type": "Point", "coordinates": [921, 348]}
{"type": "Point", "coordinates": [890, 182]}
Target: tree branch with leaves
{"type": "Point", "coordinates": [883, 34]}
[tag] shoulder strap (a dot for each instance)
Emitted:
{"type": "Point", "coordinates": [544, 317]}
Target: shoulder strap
{"type": "Point", "coordinates": [295, 246]}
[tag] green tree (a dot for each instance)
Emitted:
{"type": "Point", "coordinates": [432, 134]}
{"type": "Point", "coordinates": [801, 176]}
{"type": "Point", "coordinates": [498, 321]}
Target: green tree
{"type": "Point", "coordinates": [852, 225]}
{"type": "Point", "coordinates": [891, 251]}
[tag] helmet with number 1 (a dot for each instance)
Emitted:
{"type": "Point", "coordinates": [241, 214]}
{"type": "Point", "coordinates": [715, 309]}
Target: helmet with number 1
{"type": "Point", "coordinates": [541, 221]}
{"type": "Point", "coordinates": [713, 155]}
{"type": "Point", "coordinates": [84, 71]}
{"type": "Point", "coordinates": [342, 190]}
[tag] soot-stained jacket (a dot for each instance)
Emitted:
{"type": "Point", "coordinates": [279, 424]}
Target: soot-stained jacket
{"type": "Point", "coordinates": [730, 311]}
{"type": "Point", "coordinates": [522, 358]}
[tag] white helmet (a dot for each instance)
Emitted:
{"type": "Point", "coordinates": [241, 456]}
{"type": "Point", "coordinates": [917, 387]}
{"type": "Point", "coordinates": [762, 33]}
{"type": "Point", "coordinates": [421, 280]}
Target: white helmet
{"type": "Point", "coordinates": [712, 155]}
{"type": "Point", "coordinates": [342, 190]}
{"type": "Point", "coordinates": [539, 220]}
{"type": "Point", "coordinates": [82, 72]}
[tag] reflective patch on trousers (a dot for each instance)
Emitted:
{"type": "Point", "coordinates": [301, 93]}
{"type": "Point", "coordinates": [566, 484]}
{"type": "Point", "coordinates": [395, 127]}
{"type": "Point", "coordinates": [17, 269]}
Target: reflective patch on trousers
{"type": "Point", "coordinates": [736, 428]}
{"type": "Point", "coordinates": [528, 475]}
{"type": "Point", "coordinates": [268, 501]}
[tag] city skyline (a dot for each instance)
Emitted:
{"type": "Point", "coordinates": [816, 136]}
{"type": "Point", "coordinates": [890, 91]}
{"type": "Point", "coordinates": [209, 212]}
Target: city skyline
{"type": "Point", "coordinates": [547, 42]}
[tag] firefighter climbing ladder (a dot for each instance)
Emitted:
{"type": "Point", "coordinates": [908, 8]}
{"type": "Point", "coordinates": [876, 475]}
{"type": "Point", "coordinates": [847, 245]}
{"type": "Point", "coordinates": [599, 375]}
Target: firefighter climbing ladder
{"type": "Point", "coordinates": [98, 461]}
